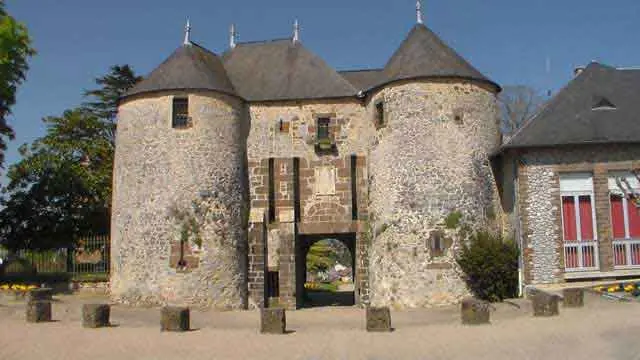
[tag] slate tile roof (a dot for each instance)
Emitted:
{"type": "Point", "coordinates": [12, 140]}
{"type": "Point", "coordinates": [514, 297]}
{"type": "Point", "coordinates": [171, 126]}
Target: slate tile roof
{"type": "Point", "coordinates": [578, 115]}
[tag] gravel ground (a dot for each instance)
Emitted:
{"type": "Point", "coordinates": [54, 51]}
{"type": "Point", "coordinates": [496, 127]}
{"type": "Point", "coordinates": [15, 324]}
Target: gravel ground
{"type": "Point", "coordinates": [602, 330]}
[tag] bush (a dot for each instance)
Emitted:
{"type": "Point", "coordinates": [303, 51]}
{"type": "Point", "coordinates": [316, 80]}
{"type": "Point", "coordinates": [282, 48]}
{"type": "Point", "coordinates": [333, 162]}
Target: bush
{"type": "Point", "coordinates": [490, 265]}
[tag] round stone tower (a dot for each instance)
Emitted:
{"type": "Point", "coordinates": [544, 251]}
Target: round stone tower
{"type": "Point", "coordinates": [430, 163]}
{"type": "Point", "coordinates": [180, 204]}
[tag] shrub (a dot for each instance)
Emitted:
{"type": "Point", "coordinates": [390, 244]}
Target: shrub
{"type": "Point", "coordinates": [490, 265]}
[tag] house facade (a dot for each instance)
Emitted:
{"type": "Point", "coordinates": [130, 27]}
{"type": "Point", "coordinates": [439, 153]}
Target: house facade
{"type": "Point", "coordinates": [569, 181]}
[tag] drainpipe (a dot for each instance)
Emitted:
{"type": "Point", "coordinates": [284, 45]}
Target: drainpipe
{"type": "Point", "coordinates": [518, 226]}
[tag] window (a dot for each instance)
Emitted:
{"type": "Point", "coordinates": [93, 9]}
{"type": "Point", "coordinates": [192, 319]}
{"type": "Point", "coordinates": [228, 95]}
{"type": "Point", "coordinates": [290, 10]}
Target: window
{"type": "Point", "coordinates": [380, 120]}
{"type": "Point", "coordinates": [625, 219]}
{"type": "Point", "coordinates": [180, 115]}
{"type": "Point", "coordinates": [323, 129]}
{"type": "Point", "coordinates": [602, 103]}
{"type": "Point", "coordinates": [578, 221]}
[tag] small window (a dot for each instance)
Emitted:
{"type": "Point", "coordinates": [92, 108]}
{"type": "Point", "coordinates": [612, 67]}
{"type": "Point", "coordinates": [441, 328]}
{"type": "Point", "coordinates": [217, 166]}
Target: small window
{"type": "Point", "coordinates": [180, 118]}
{"type": "Point", "coordinates": [323, 128]}
{"type": "Point", "coordinates": [602, 103]}
{"type": "Point", "coordinates": [380, 120]}
{"type": "Point", "coordinates": [458, 116]}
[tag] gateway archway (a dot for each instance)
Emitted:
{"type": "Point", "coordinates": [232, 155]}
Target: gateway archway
{"type": "Point", "coordinates": [325, 269]}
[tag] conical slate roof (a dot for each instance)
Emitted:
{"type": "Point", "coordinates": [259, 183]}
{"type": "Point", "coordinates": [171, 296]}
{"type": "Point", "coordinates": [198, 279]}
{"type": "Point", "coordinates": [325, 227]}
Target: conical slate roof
{"type": "Point", "coordinates": [282, 70]}
{"type": "Point", "coordinates": [190, 67]}
{"type": "Point", "coordinates": [424, 54]}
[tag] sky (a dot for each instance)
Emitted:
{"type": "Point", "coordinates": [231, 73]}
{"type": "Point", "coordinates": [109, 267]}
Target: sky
{"type": "Point", "coordinates": [514, 42]}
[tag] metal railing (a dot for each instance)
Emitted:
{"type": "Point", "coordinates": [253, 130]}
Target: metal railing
{"type": "Point", "coordinates": [626, 253]}
{"type": "Point", "coordinates": [90, 256]}
{"type": "Point", "coordinates": [581, 256]}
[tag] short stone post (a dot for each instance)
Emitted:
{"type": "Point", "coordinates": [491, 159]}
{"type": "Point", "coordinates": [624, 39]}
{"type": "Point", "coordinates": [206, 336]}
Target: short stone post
{"type": "Point", "coordinates": [573, 298]}
{"type": "Point", "coordinates": [174, 318]}
{"type": "Point", "coordinates": [38, 308]}
{"type": "Point", "coordinates": [40, 294]}
{"type": "Point", "coordinates": [95, 315]}
{"type": "Point", "coordinates": [273, 321]}
{"type": "Point", "coordinates": [378, 319]}
{"type": "Point", "coordinates": [38, 311]}
{"type": "Point", "coordinates": [474, 311]}
{"type": "Point", "coordinates": [545, 304]}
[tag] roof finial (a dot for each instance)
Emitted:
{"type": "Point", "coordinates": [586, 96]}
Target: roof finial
{"type": "Point", "coordinates": [232, 36]}
{"type": "Point", "coordinates": [419, 12]}
{"type": "Point", "coordinates": [296, 31]}
{"type": "Point", "coordinates": [187, 33]}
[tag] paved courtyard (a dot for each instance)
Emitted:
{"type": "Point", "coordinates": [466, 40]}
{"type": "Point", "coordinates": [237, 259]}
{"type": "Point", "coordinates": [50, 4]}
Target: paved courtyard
{"type": "Point", "coordinates": [601, 330]}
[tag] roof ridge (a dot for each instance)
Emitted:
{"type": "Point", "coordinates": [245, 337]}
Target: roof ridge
{"type": "Point", "coordinates": [255, 42]}
{"type": "Point", "coordinates": [360, 70]}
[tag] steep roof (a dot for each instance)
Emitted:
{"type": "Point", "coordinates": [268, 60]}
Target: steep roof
{"type": "Point", "coordinates": [576, 115]}
{"type": "Point", "coordinates": [190, 67]}
{"type": "Point", "coordinates": [363, 79]}
{"type": "Point", "coordinates": [424, 54]}
{"type": "Point", "coordinates": [282, 70]}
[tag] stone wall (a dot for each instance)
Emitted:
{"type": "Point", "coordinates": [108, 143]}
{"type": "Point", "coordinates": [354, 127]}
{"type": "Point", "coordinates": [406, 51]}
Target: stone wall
{"type": "Point", "coordinates": [540, 202]}
{"type": "Point", "coordinates": [160, 172]}
{"type": "Point", "coordinates": [430, 159]}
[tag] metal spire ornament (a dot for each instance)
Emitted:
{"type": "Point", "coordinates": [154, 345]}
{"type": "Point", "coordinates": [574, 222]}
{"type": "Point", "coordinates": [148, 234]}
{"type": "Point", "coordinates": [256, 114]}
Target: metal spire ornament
{"type": "Point", "coordinates": [296, 31]}
{"type": "Point", "coordinates": [187, 33]}
{"type": "Point", "coordinates": [419, 12]}
{"type": "Point", "coordinates": [232, 36]}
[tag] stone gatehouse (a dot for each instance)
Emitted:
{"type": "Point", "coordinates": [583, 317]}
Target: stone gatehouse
{"type": "Point", "coordinates": [229, 167]}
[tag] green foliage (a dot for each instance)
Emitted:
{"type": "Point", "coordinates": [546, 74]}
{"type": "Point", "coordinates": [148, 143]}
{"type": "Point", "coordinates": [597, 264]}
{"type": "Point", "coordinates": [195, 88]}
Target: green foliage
{"type": "Point", "coordinates": [61, 188]}
{"type": "Point", "coordinates": [490, 265]}
{"type": "Point", "coordinates": [15, 51]}
{"type": "Point", "coordinates": [320, 257]}
{"type": "Point", "coordinates": [189, 226]}
{"type": "Point", "coordinates": [453, 220]}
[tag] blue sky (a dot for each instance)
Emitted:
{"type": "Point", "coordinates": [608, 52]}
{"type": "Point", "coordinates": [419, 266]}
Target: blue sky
{"type": "Point", "coordinates": [509, 41]}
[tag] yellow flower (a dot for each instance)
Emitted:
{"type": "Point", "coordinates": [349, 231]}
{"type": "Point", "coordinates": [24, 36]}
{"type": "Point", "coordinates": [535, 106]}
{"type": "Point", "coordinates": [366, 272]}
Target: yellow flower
{"type": "Point", "coordinates": [613, 289]}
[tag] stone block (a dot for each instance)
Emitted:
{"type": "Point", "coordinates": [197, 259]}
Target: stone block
{"type": "Point", "coordinates": [273, 321]}
{"type": "Point", "coordinates": [38, 311]}
{"type": "Point", "coordinates": [41, 294]}
{"type": "Point", "coordinates": [95, 315]}
{"type": "Point", "coordinates": [174, 318]}
{"type": "Point", "coordinates": [475, 312]}
{"type": "Point", "coordinates": [545, 304]}
{"type": "Point", "coordinates": [378, 319]}
{"type": "Point", "coordinates": [573, 297]}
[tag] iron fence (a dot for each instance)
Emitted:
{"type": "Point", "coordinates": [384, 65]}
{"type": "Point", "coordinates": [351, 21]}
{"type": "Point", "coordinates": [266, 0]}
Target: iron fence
{"type": "Point", "coordinates": [89, 256]}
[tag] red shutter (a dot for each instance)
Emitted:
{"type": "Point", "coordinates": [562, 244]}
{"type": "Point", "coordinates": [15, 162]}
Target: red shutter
{"type": "Point", "coordinates": [569, 218]}
{"type": "Point", "coordinates": [617, 217]}
{"type": "Point", "coordinates": [634, 220]}
{"type": "Point", "coordinates": [586, 218]}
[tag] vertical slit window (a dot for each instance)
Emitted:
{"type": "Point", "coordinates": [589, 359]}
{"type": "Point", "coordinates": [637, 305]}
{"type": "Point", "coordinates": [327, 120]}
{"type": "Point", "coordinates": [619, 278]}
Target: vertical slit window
{"type": "Point", "coordinates": [180, 114]}
{"type": "Point", "coordinates": [354, 188]}
{"type": "Point", "coordinates": [272, 192]}
{"type": "Point", "coordinates": [296, 188]}
{"type": "Point", "coordinates": [380, 120]}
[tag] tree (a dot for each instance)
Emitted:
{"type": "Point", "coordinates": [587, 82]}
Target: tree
{"type": "Point", "coordinates": [15, 51]}
{"type": "Point", "coordinates": [61, 188]}
{"type": "Point", "coordinates": [518, 103]}
{"type": "Point", "coordinates": [104, 102]}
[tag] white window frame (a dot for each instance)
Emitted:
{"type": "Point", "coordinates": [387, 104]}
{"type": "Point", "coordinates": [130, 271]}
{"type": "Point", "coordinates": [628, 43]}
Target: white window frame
{"type": "Point", "coordinates": [575, 185]}
{"type": "Point", "coordinates": [628, 242]}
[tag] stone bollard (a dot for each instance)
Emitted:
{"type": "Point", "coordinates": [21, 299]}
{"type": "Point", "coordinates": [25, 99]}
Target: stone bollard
{"type": "Point", "coordinates": [545, 304]}
{"type": "Point", "coordinates": [38, 311]}
{"type": "Point", "coordinates": [378, 319]}
{"type": "Point", "coordinates": [40, 294]}
{"type": "Point", "coordinates": [95, 315]}
{"type": "Point", "coordinates": [573, 298]}
{"type": "Point", "coordinates": [273, 321]}
{"type": "Point", "coordinates": [174, 318]}
{"type": "Point", "coordinates": [474, 311]}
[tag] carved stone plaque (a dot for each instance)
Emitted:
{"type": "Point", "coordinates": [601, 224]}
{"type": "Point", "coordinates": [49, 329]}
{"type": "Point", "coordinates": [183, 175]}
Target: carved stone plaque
{"type": "Point", "coordinates": [325, 183]}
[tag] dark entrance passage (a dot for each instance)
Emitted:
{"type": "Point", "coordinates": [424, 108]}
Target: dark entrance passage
{"type": "Point", "coordinates": [325, 270]}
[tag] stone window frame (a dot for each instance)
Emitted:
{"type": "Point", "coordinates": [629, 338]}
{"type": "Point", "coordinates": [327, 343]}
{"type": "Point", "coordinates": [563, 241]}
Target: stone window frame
{"type": "Point", "coordinates": [189, 120]}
